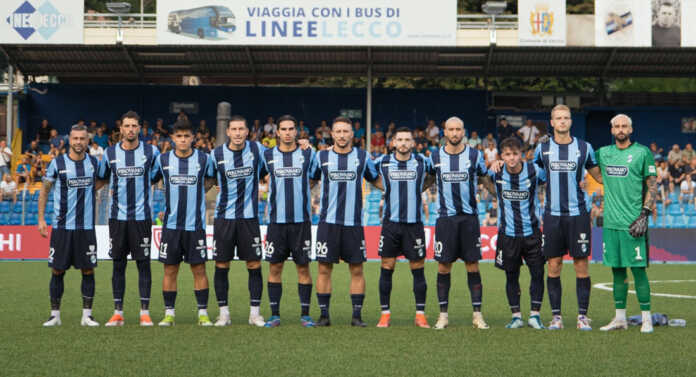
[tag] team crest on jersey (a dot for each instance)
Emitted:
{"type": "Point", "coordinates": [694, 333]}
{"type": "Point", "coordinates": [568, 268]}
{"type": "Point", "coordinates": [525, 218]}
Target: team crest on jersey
{"type": "Point", "coordinates": [342, 175]}
{"type": "Point", "coordinates": [201, 247]}
{"type": "Point", "coordinates": [617, 171]}
{"type": "Point", "coordinates": [80, 182]}
{"type": "Point", "coordinates": [301, 159]}
{"type": "Point", "coordinates": [563, 166]}
{"type": "Point", "coordinates": [130, 171]}
{"type": "Point", "coordinates": [238, 173]}
{"type": "Point", "coordinates": [92, 253]}
{"type": "Point", "coordinates": [630, 158]}
{"type": "Point", "coordinates": [287, 172]}
{"type": "Point", "coordinates": [455, 176]}
{"type": "Point", "coordinates": [402, 175]}
{"type": "Point", "coordinates": [467, 164]}
{"type": "Point", "coordinates": [183, 180]}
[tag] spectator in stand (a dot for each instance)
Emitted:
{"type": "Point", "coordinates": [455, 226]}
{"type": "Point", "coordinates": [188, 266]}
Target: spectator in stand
{"type": "Point", "coordinates": [489, 139]}
{"type": "Point", "coordinates": [56, 141]}
{"type": "Point", "coordinates": [38, 170]}
{"type": "Point", "coordinates": [270, 127]}
{"type": "Point", "coordinates": [676, 171]}
{"type": "Point", "coordinates": [504, 129]}
{"type": "Point", "coordinates": [159, 127]}
{"type": "Point", "coordinates": [24, 169]}
{"type": "Point", "coordinates": [96, 150]}
{"type": "Point", "coordinates": [528, 133]}
{"type": "Point", "coordinates": [391, 128]}
{"type": "Point", "coordinates": [101, 138]}
{"type": "Point", "coordinates": [268, 140]}
{"type": "Point", "coordinates": [325, 132]}
{"type": "Point", "coordinates": [182, 117]}
{"type": "Point", "coordinates": [5, 157]}
{"type": "Point", "coordinates": [43, 135]}
{"type": "Point", "coordinates": [433, 147]}
{"type": "Point", "coordinates": [656, 152]}
{"type": "Point", "coordinates": [358, 135]}
{"type": "Point", "coordinates": [492, 215]}
{"type": "Point", "coordinates": [686, 191]}
{"type": "Point", "coordinates": [672, 196]}
{"type": "Point", "coordinates": [432, 132]}
{"type": "Point", "coordinates": [691, 169]}
{"type": "Point", "coordinates": [377, 139]}
{"type": "Point", "coordinates": [490, 154]}
{"type": "Point", "coordinates": [674, 154]}
{"type": "Point", "coordinates": [688, 153]}
{"type": "Point", "coordinates": [302, 128]}
{"type": "Point", "coordinates": [34, 150]}
{"type": "Point", "coordinates": [54, 152]}
{"type": "Point", "coordinates": [8, 187]}
{"type": "Point", "coordinates": [256, 132]}
{"type": "Point", "coordinates": [203, 129]}
{"type": "Point", "coordinates": [92, 128]}
{"type": "Point", "coordinates": [263, 199]}
{"type": "Point", "coordinates": [115, 135]}
{"type": "Point", "coordinates": [419, 137]}
{"type": "Point", "coordinates": [145, 136]}
{"type": "Point", "coordinates": [663, 176]}
{"type": "Point", "coordinates": [474, 139]}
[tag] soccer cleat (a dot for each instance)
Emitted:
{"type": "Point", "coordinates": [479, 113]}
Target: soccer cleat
{"type": "Point", "coordinates": [535, 322]}
{"type": "Point", "coordinates": [384, 320]}
{"type": "Point", "coordinates": [478, 322]}
{"type": "Point", "coordinates": [223, 320]}
{"type": "Point", "coordinates": [115, 320]}
{"type": "Point", "coordinates": [167, 321]}
{"type": "Point", "coordinates": [515, 323]}
{"type": "Point", "coordinates": [615, 324]}
{"type": "Point", "coordinates": [556, 323]}
{"type": "Point", "coordinates": [323, 322]}
{"type": "Point", "coordinates": [442, 322]}
{"type": "Point", "coordinates": [204, 320]}
{"type": "Point", "coordinates": [306, 321]}
{"type": "Point", "coordinates": [584, 323]}
{"type": "Point", "coordinates": [421, 321]}
{"type": "Point", "coordinates": [647, 327]}
{"type": "Point", "coordinates": [357, 322]}
{"type": "Point", "coordinates": [145, 320]}
{"type": "Point", "coordinates": [256, 320]}
{"type": "Point", "coordinates": [89, 321]}
{"type": "Point", "coordinates": [274, 321]}
{"type": "Point", "coordinates": [52, 321]}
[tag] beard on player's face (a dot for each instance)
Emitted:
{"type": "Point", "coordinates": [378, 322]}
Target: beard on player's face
{"type": "Point", "coordinates": [621, 137]}
{"type": "Point", "coordinates": [454, 140]}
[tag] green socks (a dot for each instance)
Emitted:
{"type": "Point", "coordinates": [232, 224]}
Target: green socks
{"type": "Point", "coordinates": [621, 287]}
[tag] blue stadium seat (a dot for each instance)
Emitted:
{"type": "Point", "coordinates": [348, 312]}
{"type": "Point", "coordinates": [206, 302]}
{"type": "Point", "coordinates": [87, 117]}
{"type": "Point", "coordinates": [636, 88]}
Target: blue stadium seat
{"type": "Point", "coordinates": [17, 208]}
{"type": "Point", "coordinates": [4, 207]}
{"type": "Point", "coordinates": [35, 196]}
{"type": "Point", "coordinates": [31, 219]}
{"type": "Point", "coordinates": [23, 196]}
{"type": "Point", "coordinates": [4, 219]}
{"type": "Point", "coordinates": [660, 222]}
{"type": "Point", "coordinates": [15, 219]}
{"type": "Point", "coordinates": [49, 219]}
{"type": "Point", "coordinates": [690, 210]}
{"type": "Point", "coordinates": [678, 222]}
{"type": "Point", "coordinates": [660, 208]}
{"type": "Point", "coordinates": [674, 209]}
{"type": "Point", "coordinates": [32, 207]}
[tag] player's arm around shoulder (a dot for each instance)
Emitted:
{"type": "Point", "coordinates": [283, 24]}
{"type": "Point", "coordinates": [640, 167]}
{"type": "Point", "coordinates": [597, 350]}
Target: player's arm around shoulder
{"type": "Point", "coordinates": [592, 164]}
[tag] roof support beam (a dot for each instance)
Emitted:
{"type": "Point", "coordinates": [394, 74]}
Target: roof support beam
{"type": "Point", "coordinates": [132, 64]}
{"type": "Point", "coordinates": [489, 60]}
{"type": "Point", "coordinates": [610, 60]}
{"type": "Point", "coordinates": [252, 66]}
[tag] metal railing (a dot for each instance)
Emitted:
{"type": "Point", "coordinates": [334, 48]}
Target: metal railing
{"type": "Point", "coordinates": [149, 21]}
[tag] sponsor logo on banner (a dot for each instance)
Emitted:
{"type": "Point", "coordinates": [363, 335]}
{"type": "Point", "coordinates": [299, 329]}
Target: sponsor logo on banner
{"type": "Point", "coordinates": [239, 172]}
{"type": "Point", "coordinates": [41, 21]}
{"type": "Point", "coordinates": [402, 175]}
{"type": "Point", "coordinates": [563, 166]}
{"type": "Point", "coordinates": [130, 171]}
{"type": "Point", "coordinates": [617, 171]}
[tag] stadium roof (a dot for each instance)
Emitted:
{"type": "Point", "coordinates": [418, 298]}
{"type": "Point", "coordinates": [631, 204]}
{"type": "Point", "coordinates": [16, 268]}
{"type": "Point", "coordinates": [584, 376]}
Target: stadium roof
{"type": "Point", "coordinates": [288, 64]}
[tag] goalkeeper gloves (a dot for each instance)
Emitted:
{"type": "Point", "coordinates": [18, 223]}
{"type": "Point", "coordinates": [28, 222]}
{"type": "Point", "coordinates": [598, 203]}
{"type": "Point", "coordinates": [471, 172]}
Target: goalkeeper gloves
{"type": "Point", "coordinates": [639, 226]}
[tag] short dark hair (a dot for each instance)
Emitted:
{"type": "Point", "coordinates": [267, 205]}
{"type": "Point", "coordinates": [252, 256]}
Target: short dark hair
{"type": "Point", "coordinates": [237, 118]}
{"type": "Point", "coordinates": [341, 119]}
{"type": "Point", "coordinates": [511, 143]}
{"type": "Point", "coordinates": [403, 129]}
{"type": "Point", "coordinates": [286, 117]}
{"type": "Point", "coordinates": [131, 115]}
{"type": "Point", "coordinates": [182, 126]}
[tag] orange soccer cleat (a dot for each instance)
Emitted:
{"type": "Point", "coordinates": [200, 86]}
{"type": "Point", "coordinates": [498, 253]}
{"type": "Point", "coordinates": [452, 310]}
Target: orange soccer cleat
{"type": "Point", "coordinates": [145, 320]}
{"type": "Point", "coordinates": [421, 321]}
{"type": "Point", "coordinates": [384, 320]}
{"type": "Point", "coordinates": [115, 320]}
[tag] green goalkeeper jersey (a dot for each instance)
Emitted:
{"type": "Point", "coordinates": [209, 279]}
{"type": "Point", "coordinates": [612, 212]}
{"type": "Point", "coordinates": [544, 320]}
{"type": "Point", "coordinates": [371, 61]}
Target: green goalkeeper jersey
{"type": "Point", "coordinates": [624, 172]}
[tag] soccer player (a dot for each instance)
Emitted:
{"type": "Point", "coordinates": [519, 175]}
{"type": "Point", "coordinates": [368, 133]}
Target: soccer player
{"type": "Point", "coordinates": [519, 237]}
{"type": "Point", "coordinates": [630, 189]}
{"type": "Point", "coordinates": [289, 232]}
{"type": "Point", "coordinates": [340, 233]}
{"type": "Point", "coordinates": [457, 233]}
{"type": "Point", "coordinates": [187, 173]}
{"type": "Point", "coordinates": [73, 240]}
{"type": "Point", "coordinates": [403, 176]}
{"type": "Point", "coordinates": [128, 165]}
{"type": "Point", "coordinates": [567, 228]}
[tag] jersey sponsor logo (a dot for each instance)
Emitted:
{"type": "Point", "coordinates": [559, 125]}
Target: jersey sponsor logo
{"type": "Point", "coordinates": [402, 175]}
{"type": "Point", "coordinates": [651, 169]}
{"type": "Point", "coordinates": [455, 176]}
{"type": "Point", "coordinates": [80, 182]}
{"type": "Point", "coordinates": [515, 195]}
{"type": "Point", "coordinates": [617, 170]}
{"type": "Point", "coordinates": [563, 166]}
{"type": "Point", "coordinates": [342, 175]}
{"type": "Point", "coordinates": [287, 172]}
{"type": "Point", "coordinates": [183, 180]}
{"type": "Point", "coordinates": [237, 173]}
{"type": "Point", "coordinates": [130, 171]}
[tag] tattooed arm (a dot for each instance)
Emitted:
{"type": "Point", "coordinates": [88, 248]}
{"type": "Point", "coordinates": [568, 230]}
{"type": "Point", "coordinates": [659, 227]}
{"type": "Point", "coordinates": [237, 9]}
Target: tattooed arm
{"type": "Point", "coordinates": [651, 194]}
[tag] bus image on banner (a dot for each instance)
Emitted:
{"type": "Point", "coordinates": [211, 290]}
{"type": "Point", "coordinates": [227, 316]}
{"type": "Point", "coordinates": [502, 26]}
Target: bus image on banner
{"type": "Point", "coordinates": [209, 22]}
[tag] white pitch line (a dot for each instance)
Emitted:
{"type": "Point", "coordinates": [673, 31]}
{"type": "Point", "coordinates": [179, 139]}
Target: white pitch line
{"type": "Point", "coordinates": [608, 287]}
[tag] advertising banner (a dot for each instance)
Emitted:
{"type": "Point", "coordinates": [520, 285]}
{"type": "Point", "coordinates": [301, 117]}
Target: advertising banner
{"type": "Point", "coordinates": [623, 23]}
{"type": "Point", "coordinates": [41, 21]}
{"type": "Point", "coordinates": [542, 22]}
{"type": "Point", "coordinates": [307, 22]}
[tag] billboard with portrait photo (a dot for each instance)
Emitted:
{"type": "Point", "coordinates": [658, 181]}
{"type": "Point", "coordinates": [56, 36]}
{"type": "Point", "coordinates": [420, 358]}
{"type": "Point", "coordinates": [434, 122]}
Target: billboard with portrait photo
{"type": "Point", "coordinates": [666, 23]}
{"type": "Point", "coordinates": [688, 125]}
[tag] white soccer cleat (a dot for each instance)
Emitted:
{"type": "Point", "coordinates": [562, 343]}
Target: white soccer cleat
{"type": "Point", "coordinates": [535, 322]}
{"type": "Point", "coordinates": [256, 320]}
{"type": "Point", "coordinates": [223, 320]}
{"type": "Point", "coordinates": [556, 323]}
{"type": "Point", "coordinates": [52, 321]}
{"type": "Point", "coordinates": [584, 323]}
{"type": "Point", "coordinates": [89, 321]}
{"type": "Point", "coordinates": [646, 327]}
{"type": "Point", "coordinates": [615, 324]}
{"type": "Point", "coordinates": [442, 322]}
{"type": "Point", "coordinates": [478, 322]}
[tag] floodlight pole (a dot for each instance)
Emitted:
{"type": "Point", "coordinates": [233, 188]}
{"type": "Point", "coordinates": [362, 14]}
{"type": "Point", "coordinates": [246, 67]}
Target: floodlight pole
{"type": "Point", "coordinates": [368, 107]}
{"type": "Point", "coordinates": [10, 85]}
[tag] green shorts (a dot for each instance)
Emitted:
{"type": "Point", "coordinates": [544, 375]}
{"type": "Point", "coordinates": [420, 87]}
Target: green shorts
{"type": "Point", "coordinates": [623, 250]}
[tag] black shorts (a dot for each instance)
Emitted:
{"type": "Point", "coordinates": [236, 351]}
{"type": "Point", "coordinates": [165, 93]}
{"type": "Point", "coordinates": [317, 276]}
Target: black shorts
{"type": "Point", "coordinates": [510, 251]}
{"type": "Point", "coordinates": [402, 239]}
{"type": "Point", "coordinates": [336, 242]}
{"type": "Point", "coordinates": [243, 235]}
{"type": "Point", "coordinates": [130, 237]}
{"type": "Point", "coordinates": [76, 248]}
{"type": "Point", "coordinates": [567, 234]}
{"type": "Point", "coordinates": [177, 245]}
{"type": "Point", "coordinates": [284, 240]}
{"type": "Point", "coordinates": [457, 237]}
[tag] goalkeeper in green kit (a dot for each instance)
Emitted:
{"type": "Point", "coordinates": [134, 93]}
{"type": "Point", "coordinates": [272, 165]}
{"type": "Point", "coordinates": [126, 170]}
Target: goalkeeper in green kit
{"type": "Point", "coordinates": [630, 188]}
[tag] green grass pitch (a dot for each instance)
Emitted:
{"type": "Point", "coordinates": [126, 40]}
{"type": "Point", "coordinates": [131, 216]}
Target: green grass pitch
{"type": "Point", "coordinates": [27, 349]}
